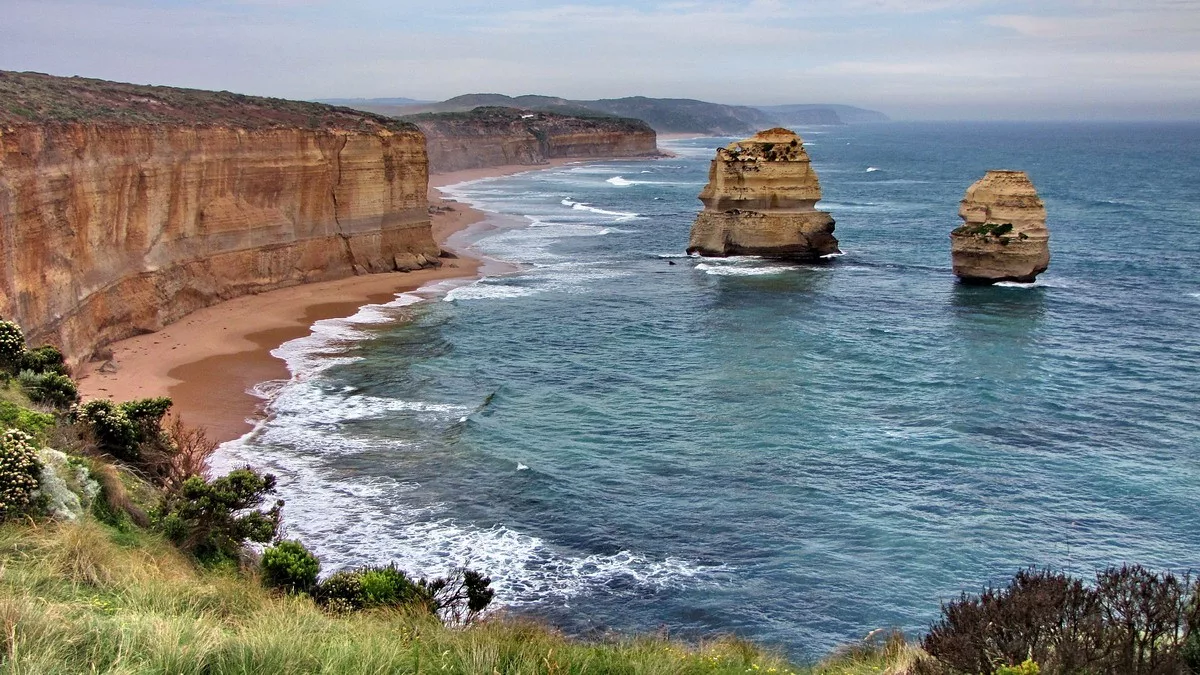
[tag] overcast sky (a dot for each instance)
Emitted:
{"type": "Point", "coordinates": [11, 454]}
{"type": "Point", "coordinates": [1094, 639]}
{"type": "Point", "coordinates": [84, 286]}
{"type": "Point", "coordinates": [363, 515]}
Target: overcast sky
{"type": "Point", "coordinates": [917, 59]}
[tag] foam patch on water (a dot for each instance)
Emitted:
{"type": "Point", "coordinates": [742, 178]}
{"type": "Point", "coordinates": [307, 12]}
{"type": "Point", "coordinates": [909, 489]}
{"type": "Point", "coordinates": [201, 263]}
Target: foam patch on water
{"type": "Point", "coordinates": [330, 338]}
{"type": "Point", "coordinates": [580, 206]}
{"type": "Point", "coordinates": [350, 519]}
{"type": "Point", "coordinates": [738, 270]}
{"type": "Point", "coordinates": [873, 169]}
{"type": "Point", "coordinates": [489, 291]}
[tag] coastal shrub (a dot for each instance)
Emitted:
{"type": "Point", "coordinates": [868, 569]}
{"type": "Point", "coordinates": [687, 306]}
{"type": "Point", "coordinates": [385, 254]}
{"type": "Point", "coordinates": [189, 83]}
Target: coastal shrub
{"type": "Point", "coordinates": [1028, 667]}
{"type": "Point", "coordinates": [19, 473]}
{"type": "Point", "coordinates": [180, 453]}
{"type": "Point", "coordinates": [121, 429]}
{"type": "Point", "coordinates": [461, 597]}
{"type": "Point", "coordinates": [44, 359]}
{"type": "Point", "coordinates": [290, 567]}
{"type": "Point", "coordinates": [12, 346]}
{"type": "Point", "coordinates": [213, 520]}
{"type": "Point", "coordinates": [1130, 621]}
{"type": "Point", "coordinates": [51, 388]}
{"type": "Point", "coordinates": [457, 599]}
{"type": "Point", "coordinates": [32, 422]}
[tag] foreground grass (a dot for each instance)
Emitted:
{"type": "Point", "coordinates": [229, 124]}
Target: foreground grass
{"type": "Point", "coordinates": [79, 598]}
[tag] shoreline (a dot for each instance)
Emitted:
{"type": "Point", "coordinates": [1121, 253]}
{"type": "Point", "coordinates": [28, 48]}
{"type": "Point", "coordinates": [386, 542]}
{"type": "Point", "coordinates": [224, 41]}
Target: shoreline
{"type": "Point", "coordinates": [209, 361]}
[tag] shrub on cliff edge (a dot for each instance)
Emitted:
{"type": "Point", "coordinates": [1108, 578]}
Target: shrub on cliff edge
{"type": "Point", "coordinates": [19, 472]}
{"type": "Point", "coordinates": [120, 429]}
{"type": "Point", "coordinates": [12, 346]}
{"type": "Point", "coordinates": [290, 567]}
{"type": "Point", "coordinates": [213, 520]}
{"type": "Point", "coordinates": [51, 388]}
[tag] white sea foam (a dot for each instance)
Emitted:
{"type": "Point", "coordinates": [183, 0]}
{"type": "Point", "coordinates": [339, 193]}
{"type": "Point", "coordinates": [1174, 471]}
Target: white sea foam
{"type": "Point", "coordinates": [489, 291]}
{"type": "Point", "coordinates": [619, 181]}
{"type": "Point", "coordinates": [1194, 295]}
{"type": "Point", "coordinates": [873, 169]}
{"type": "Point", "coordinates": [834, 255]}
{"type": "Point", "coordinates": [738, 271]}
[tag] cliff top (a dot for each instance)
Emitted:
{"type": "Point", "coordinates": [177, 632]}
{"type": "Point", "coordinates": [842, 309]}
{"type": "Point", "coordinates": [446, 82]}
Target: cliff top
{"type": "Point", "coordinates": [487, 120]}
{"type": "Point", "coordinates": [36, 98]}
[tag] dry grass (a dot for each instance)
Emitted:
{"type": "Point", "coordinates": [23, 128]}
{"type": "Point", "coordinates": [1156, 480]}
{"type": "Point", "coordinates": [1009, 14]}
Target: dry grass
{"type": "Point", "coordinates": [75, 597]}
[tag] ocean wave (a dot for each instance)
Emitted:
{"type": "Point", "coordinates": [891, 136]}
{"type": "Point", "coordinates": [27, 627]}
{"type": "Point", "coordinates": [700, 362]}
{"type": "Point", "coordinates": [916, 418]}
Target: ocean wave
{"type": "Point", "coordinates": [581, 206]}
{"type": "Point", "coordinates": [735, 271]}
{"type": "Point", "coordinates": [873, 169]}
{"type": "Point", "coordinates": [620, 181]}
{"type": "Point", "coordinates": [350, 520]}
{"type": "Point", "coordinates": [489, 291]}
{"type": "Point", "coordinates": [329, 339]}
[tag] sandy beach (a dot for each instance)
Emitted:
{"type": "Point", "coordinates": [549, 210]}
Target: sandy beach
{"type": "Point", "coordinates": [209, 360]}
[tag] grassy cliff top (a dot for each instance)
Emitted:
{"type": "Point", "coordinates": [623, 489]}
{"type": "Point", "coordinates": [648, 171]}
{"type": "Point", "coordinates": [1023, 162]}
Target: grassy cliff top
{"type": "Point", "coordinates": [36, 98]}
{"type": "Point", "coordinates": [488, 119]}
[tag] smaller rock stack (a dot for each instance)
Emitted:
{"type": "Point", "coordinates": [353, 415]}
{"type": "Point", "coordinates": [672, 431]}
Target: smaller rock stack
{"type": "Point", "coordinates": [1004, 236]}
{"type": "Point", "coordinates": [761, 200]}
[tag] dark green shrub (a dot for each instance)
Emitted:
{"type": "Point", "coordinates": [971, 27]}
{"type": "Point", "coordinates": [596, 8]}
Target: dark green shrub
{"type": "Point", "coordinates": [214, 519]}
{"type": "Point", "coordinates": [461, 597]}
{"type": "Point", "coordinates": [340, 592]}
{"type": "Point", "coordinates": [111, 428]}
{"type": "Point", "coordinates": [1131, 622]}
{"type": "Point", "coordinates": [13, 416]}
{"type": "Point", "coordinates": [389, 587]}
{"type": "Point", "coordinates": [50, 388]}
{"type": "Point", "coordinates": [20, 472]}
{"type": "Point", "coordinates": [1191, 650]}
{"type": "Point", "coordinates": [120, 429]}
{"type": "Point", "coordinates": [44, 359]}
{"type": "Point", "coordinates": [290, 567]}
{"type": "Point", "coordinates": [12, 346]}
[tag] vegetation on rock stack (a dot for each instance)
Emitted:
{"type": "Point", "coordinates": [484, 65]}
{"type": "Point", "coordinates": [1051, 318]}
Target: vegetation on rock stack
{"type": "Point", "coordinates": [34, 97]}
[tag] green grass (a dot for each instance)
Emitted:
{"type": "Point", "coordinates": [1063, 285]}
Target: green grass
{"type": "Point", "coordinates": [84, 598]}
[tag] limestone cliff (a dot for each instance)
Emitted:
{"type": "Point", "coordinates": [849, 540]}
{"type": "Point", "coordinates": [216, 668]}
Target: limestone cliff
{"type": "Point", "coordinates": [492, 136]}
{"type": "Point", "coordinates": [1004, 235]}
{"type": "Point", "coordinates": [761, 200]}
{"type": "Point", "coordinates": [123, 208]}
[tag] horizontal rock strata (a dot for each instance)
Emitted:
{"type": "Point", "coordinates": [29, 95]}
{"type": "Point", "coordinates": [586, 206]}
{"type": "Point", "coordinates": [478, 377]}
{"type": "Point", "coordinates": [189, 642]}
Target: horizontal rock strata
{"type": "Point", "coordinates": [761, 200]}
{"type": "Point", "coordinates": [1004, 235]}
{"type": "Point", "coordinates": [111, 229]}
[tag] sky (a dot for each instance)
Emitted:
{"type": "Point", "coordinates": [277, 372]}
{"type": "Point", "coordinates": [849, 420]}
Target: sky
{"type": "Point", "coordinates": [913, 59]}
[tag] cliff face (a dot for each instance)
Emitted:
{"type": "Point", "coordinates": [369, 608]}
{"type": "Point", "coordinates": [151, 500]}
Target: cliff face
{"type": "Point", "coordinates": [761, 200]}
{"type": "Point", "coordinates": [110, 230]}
{"type": "Point", "coordinates": [487, 137]}
{"type": "Point", "coordinates": [1004, 235]}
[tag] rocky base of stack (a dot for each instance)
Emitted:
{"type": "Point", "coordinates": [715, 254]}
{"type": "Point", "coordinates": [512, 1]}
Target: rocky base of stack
{"type": "Point", "coordinates": [985, 260]}
{"type": "Point", "coordinates": [788, 236]}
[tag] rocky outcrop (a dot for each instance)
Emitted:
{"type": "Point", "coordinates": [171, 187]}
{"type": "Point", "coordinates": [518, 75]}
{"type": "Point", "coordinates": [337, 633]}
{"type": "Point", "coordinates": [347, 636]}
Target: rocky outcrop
{"type": "Point", "coordinates": [761, 200]}
{"type": "Point", "coordinates": [486, 137]}
{"type": "Point", "coordinates": [109, 229]}
{"type": "Point", "coordinates": [1004, 236]}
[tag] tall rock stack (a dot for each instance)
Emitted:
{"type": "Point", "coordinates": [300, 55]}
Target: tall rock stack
{"type": "Point", "coordinates": [761, 200]}
{"type": "Point", "coordinates": [1004, 236]}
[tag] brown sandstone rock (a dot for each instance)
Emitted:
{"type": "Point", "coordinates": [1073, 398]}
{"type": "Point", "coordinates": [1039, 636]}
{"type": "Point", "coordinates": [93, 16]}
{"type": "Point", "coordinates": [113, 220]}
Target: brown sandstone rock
{"type": "Point", "coordinates": [1004, 236]}
{"type": "Point", "coordinates": [112, 230]}
{"type": "Point", "coordinates": [761, 200]}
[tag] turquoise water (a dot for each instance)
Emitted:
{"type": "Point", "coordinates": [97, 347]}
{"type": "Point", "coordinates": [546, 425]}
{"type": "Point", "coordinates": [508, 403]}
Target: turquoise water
{"type": "Point", "coordinates": [795, 453]}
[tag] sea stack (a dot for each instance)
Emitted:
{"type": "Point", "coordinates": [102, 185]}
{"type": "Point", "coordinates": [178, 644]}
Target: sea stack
{"type": "Point", "coordinates": [1004, 236]}
{"type": "Point", "coordinates": [761, 200]}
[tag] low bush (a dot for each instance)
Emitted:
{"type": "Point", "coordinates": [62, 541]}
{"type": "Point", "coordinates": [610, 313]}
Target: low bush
{"type": "Point", "coordinates": [19, 473]}
{"type": "Point", "coordinates": [213, 520]}
{"type": "Point", "coordinates": [12, 346]}
{"type": "Point", "coordinates": [461, 597]}
{"type": "Point", "coordinates": [457, 599]}
{"type": "Point", "coordinates": [290, 567]}
{"type": "Point", "coordinates": [50, 388]}
{"type": "Point", "coordinates": [1130, 621]}
{"type": "Point", "coordinates": [121, 429]}
{"type": "Point", "coordinates": [44, 359]}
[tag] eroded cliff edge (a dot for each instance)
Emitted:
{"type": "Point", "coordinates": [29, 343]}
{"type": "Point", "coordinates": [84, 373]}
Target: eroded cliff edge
{"type": "Point", "coordinates": [499, 136]}
{"type": "Point", "coordinates": [124, 208]}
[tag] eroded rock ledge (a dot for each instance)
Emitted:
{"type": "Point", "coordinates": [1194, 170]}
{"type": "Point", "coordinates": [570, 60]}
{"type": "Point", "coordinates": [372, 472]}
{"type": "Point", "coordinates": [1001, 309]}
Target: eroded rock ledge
{"type": "Point", "coordinates": [761, 200]}
{"type": "Point", "coordinates": [124, 208]}
{"type": "Point", "coordinates": [1004, 235]}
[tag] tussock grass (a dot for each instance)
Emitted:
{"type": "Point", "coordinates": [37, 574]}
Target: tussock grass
{"type": "Point", "coordinates": [85, 597]}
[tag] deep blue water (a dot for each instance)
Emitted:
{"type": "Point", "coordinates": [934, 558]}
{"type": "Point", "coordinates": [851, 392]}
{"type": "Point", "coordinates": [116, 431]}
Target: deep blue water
{"type": "Point", "coordinates": [798, 454]}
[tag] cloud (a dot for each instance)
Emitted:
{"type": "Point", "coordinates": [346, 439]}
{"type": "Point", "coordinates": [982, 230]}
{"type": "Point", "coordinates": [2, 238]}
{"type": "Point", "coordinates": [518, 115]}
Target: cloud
{"type": "Point", "coordinates": [902, 55]}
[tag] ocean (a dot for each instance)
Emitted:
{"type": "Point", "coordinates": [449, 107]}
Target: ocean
{"type": "Point", "coordinates": [629, 439]}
